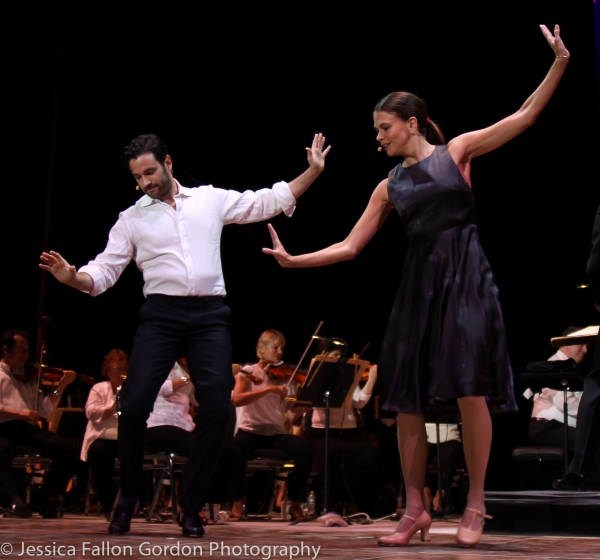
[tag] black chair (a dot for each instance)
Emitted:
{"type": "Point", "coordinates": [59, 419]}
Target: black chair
{"type": "Point", "coordinates": [276, 464]}
{"type": "Point", "coordinates": [536, 466]}
{"type": "Point", "coordinates": [35, 465]}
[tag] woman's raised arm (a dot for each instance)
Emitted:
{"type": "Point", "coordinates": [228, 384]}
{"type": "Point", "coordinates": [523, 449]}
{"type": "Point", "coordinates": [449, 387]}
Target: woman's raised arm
{"type": "Point", "coordinates": [465, 147]}
{"type": "Point", "coordinates": [367, 226]}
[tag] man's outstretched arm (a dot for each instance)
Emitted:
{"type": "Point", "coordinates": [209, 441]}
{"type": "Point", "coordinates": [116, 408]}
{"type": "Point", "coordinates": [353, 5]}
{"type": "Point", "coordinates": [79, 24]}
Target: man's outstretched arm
{"type": "Point", "coordinates": [65, 273]}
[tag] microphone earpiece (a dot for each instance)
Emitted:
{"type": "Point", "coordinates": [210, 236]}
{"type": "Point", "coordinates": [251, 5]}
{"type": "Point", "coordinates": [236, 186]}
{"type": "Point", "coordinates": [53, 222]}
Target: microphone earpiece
{"type": "Point", "coordinates": [380, 149]}
{"type": "Point", "coordinates": [137, 187]}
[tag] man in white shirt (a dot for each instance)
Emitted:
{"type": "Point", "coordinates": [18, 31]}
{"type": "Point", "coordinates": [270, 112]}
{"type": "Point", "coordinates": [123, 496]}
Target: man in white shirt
{"type": "Point", "coordinates": [173, 233]}
{"type": "Point", "coordinates": [546, 426]}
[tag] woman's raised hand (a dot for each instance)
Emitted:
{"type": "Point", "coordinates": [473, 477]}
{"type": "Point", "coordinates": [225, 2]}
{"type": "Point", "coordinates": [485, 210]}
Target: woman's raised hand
{"type": "Point", "coordinates": [280, 254]}
{"type": "Point", "coordinates": [315, 154]}
{"type": "Point", "coordinates": [555, 41]}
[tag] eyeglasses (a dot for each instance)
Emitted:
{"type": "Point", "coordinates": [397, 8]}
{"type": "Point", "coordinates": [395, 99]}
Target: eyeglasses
{"type": "Point", "coordinates": [121, 368]}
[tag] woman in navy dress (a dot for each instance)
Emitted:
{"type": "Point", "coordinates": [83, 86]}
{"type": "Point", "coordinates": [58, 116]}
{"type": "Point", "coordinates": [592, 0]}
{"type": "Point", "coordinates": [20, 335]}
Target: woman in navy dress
{"type": "Point", "coordinates": [446, 336]}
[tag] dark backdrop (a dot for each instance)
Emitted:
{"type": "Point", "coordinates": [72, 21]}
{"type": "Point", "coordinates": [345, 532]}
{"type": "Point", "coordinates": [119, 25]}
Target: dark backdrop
{"type": "Point", "coordinates": [237, 93]}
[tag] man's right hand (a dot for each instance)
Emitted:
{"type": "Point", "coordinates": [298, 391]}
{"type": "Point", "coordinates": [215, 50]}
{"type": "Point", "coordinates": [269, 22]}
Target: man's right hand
{"type": "Point", "coordinates": [30, 416]}
{"type": "Point", "coordinates": [56, 265]}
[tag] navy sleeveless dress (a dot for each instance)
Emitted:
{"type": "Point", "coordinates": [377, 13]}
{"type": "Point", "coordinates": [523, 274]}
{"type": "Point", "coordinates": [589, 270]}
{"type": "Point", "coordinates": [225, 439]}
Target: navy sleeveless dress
{"type": "Point", "coordinates": [445, 338]}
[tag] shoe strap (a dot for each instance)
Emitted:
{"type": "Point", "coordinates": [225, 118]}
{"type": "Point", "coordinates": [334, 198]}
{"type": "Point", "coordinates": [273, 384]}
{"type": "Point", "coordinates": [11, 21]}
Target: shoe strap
{"type": "Point", "coordinates": [408, 517]}
{"type": "Point", "coordinates": [480, 513]}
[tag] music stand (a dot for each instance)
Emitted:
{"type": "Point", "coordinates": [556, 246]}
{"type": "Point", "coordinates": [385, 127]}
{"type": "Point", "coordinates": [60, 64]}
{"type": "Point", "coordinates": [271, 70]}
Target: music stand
{"type": "Point", "coordinates": [328, 382]}
{"type": "Point", "coordinates": [560, 375]}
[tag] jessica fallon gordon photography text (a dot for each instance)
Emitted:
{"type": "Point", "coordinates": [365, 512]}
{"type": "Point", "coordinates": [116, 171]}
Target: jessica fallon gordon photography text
{"type": "Point", "coordinates": [150, 550]}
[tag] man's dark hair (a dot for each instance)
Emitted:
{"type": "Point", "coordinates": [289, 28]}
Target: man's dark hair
{"type": "Point", "coordinates": [145, 144]}
{"type": "Point", "coordinates": [8, 338]}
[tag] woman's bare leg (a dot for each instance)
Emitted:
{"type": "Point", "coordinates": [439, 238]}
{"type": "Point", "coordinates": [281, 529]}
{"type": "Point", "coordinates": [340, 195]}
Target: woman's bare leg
{"type": "Point", "coordinates": [412, 443]}
{"type": "Point", "coordinates": [477, 441]}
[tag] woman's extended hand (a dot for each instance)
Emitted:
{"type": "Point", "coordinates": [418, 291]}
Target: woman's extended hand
{"type": "Point", "coordinates": [280, 254]}
{"type": "Point", "coordinates": [315, 154]}
{"type": "Point", "coordinates": [555, 41]}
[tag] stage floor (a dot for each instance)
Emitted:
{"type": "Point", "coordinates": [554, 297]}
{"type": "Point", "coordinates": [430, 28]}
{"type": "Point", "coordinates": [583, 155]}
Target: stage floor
{"type": "Point", "coordinates": [87, 537]}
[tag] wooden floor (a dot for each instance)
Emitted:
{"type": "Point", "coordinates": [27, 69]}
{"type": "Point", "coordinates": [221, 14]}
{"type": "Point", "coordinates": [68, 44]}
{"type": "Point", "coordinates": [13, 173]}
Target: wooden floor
{"type": "Point", "coordinates": [87, 537]}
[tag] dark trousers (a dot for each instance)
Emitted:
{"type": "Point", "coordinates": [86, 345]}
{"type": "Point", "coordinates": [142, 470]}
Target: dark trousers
{"type": "Point", "coordinates": [101, 459]}
{"type": "Point", "coordinates": [297, 448]}
{"type": "Point", "coordinates": [200, 326]}
{"type": "Point", "coordinates": [551, 432]}
{"type": "Point", "coordinates": [587, 436]}
{"type": "Point", "coordinates": [64, 456]}
{"type": "Point", "coordinates": [353, 473]}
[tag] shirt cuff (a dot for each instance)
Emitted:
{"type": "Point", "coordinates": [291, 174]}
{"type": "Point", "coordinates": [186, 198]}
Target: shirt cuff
{"type": "Point", "coordinates": [285, 197]}
{"type": "Point", "coordinates": [97, 277]}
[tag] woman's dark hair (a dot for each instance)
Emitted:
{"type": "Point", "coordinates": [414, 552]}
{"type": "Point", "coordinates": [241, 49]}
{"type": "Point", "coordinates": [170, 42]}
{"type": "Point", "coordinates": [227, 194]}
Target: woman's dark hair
{"type": "Point", "coordinates": [406, 105]}
{"type": "Point", "coordinates": [145, 144]}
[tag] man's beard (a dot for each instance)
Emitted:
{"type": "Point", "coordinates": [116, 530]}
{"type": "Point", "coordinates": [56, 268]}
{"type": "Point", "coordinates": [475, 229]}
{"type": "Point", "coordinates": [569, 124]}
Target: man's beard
{"type": "Point", "coordinates": [164, 186]}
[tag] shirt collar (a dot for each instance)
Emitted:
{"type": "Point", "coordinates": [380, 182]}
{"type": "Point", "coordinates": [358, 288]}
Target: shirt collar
{"type": "Point", "coordinates": [182, 192]}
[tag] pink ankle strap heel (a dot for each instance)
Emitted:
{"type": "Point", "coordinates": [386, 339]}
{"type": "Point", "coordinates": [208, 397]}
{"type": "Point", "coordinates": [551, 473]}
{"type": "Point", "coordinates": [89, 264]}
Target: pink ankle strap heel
{"type": "Point", "coordinates": [467, 536]}
{"type": "Point", "coordinates": [422, 523]}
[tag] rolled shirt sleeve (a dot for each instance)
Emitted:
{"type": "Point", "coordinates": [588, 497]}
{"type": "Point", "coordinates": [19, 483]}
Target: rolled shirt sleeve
{"type": "Point", "coordinates": [253, 206]}
{"type": "Point", "coordinates": [106, 268]}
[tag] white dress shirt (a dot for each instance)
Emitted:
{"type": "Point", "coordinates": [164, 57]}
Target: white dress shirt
{"type": "Point", "coordinates": [448, 432]}
{"type": "Point", "coordinates": [21, 395]}
{"type": "Point", "coordinates": [172, 408]}
{"type": "Point", "coordinates": [549, 404]}
{"type": "Point", "coordinates": [178, 249]}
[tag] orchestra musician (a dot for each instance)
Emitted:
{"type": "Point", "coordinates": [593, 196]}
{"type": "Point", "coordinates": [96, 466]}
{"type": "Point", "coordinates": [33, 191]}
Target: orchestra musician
{"type": "Point", "coordinates": [262, 421]}
{"type": "Point", "coordinates": [587, 436]}
{"type": "Point", "coordinates": [19, 426]}
{"type": "Point", "coordinates": [99, 447]}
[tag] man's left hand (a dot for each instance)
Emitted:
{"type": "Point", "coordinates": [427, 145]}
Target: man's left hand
{"type": "Point", "coordinates": [316, 155]}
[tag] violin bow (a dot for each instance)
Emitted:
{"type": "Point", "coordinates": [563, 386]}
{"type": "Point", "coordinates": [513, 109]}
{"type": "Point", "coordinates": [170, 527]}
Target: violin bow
{"type": "Point", "coordinates": [304, 355]}
{"type": "Point", "coordinates": [39, 380]}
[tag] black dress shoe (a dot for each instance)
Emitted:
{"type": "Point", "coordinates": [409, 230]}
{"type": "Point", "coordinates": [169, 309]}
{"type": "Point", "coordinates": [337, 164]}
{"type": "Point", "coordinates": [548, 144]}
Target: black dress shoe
{"type": "Point", "coordinates": [569, 482]}
{"type": "Point", "coordinates": [191, 524]}
{"type": "Point", "coordinates": [121, 520]}
{"type": "Point", "coordinates": [48, 510]}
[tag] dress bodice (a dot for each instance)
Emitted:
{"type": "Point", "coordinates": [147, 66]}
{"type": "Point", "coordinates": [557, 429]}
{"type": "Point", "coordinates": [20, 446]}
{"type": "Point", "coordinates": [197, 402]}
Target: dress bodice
{"type": "Point", "coordinates": [431, 196]}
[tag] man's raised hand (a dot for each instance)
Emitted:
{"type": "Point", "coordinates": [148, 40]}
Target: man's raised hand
{"type": "Point", "coordinates": [316, 154]}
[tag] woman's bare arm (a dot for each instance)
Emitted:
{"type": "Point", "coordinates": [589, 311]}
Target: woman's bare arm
{"type": "Point", "coordinates": [367, 226]}
{"type": "Point", "coordinates": [465, 147]}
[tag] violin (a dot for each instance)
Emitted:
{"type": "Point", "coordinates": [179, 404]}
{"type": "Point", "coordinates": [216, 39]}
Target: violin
{"type": "Point", "coordinates": [281, 371]}
{"type": "Point", "coordinates": [49, 374]}
{"type": "Point", "coordinates": [284, 372]}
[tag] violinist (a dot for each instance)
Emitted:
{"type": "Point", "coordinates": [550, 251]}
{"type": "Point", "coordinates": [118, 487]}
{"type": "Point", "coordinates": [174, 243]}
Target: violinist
{"type": "Point", "coordinates": [19, 426]}
{"type": "Point", "coordinates": [352, 455]}
{"type": "Point", "coordinates": [262, 416]}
